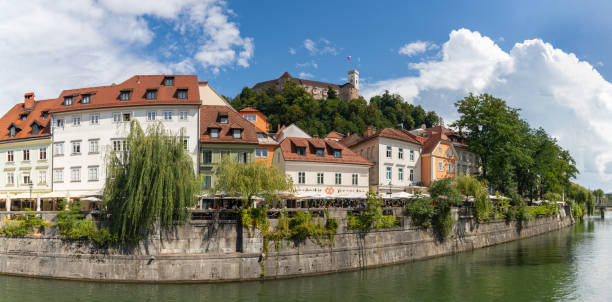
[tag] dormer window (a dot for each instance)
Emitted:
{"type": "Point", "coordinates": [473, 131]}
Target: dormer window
{"type": "Point", "coordinates": [337, 153]}
{"type": "Point", "coordinates": [223, 119]}
{"type": "Point", "coordinates": [13, 131]}
{"type": "Point", "coordinates": [23, 116]}
{"type": "Point", "coordinates": [261, 135]}
{"type": "Point", "coordinates": [44, 114]}
{"type": "Point", "coordinates": [181, 94]}
{"type": "Point", "coordinates": [169, 81]}
{"type": "Point", "coordinates": [214, 132]}
{"type": "Point", "coordinates": [125, 95]}
{"type": "Point", "coordinates": [320, 152]}
{"type": "Point", "coordinates": [151, 94]}
{"type": "Point", "coordinates": [250, 117]}
{"type": "Point", "coordinates": [86, 99]}
{"type": "Point", "coordinates": [301, 151]}
{"type": "Point", "coordinates": [35, 128]}
{"type": "Point", "coordinates": [68, 101]}
{"type": "Point", "coordinates": [237, 133]}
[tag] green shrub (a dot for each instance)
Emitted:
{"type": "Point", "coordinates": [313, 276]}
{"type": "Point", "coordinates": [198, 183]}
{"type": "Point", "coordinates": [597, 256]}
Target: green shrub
{"type": "Point", "coordinates": [482, 206]}
{"type": "Point", "coordinates": [421, 211]}
{"type": "Point", "coordinates": [73, 225]}
{"type": "Point", "coordinates": [443, 222]}
{"type": "Point", "coordinates": [24, 225]}
{"type": "Point", "coordinates": [550, 196]}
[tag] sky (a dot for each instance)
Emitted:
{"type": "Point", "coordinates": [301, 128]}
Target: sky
{"type": "Point", "coordinates": [549, 58]}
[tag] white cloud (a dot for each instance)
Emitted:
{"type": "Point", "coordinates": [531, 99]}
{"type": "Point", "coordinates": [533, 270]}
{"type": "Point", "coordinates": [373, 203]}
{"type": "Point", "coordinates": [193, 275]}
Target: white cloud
{"type": "Point", "coordinates": [322, 47]}
{"type": "Point", "coordinates": [417, 47]}
{"type": "Point", "coordinates": [554, 89]}
{"type": "Point", "coordinates": [46, 48]}
{"type": "Point", "coordinates": [292, 50]}
{"type": "Point", "coordinates": [312, 64]}
{"type": "Point", "coordinates": [305, 75]}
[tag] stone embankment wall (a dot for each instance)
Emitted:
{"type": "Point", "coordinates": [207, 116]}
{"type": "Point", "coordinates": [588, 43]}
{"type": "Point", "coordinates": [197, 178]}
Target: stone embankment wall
{"type": "Point", "coordinates": [220, 250]}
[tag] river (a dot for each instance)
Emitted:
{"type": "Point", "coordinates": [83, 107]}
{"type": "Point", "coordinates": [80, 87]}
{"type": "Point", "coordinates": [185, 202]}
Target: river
{"type": "Point", "coordinates": [573, 264]}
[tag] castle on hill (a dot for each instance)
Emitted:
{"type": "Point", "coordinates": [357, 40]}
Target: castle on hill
{"type": "Point", "coordinates": [318, 90]}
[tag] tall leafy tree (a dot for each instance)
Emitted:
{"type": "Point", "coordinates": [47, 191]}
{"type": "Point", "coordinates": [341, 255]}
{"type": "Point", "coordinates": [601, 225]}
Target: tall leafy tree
{"type": "Point", "coordinates": [151, 180]}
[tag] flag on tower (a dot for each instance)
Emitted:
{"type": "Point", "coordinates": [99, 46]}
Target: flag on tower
{"type": "Point", "coordinates": [348, 58]}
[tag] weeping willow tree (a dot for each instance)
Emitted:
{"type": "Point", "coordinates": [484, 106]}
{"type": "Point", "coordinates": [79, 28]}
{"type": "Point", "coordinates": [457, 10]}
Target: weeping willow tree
{"type": "Point", "coordinates": [247, 180]}
{"type": "Point", "coordinates": [150, 179]}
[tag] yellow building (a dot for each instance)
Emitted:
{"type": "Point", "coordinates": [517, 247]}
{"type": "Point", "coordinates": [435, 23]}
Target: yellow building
{"type": "Point", "coordinates": [267, 145]}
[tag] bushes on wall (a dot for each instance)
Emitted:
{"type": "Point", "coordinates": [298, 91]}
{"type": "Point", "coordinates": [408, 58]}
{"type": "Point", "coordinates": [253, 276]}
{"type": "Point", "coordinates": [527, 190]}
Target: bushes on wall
{"type": "Point", "coordinates": [24, 225]}
{"type": "Point", "coordinates": [372, 217]}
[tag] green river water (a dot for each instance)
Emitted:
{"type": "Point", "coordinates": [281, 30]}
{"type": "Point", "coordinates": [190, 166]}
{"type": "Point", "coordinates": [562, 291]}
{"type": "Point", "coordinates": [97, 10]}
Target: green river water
{"type": "Point", "coordinates": [573, 264]}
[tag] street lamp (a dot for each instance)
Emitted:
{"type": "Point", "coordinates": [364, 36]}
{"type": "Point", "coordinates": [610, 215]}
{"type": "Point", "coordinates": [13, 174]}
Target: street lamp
{"type": "Point", "coordinates": [30, 185]}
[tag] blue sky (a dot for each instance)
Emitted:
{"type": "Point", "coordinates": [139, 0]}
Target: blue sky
{"type": "Point", "coordinates": [550, 58]}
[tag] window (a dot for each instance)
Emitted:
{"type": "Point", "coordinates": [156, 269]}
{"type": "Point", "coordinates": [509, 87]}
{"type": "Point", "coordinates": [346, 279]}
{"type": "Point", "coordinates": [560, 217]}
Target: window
{"type": "Point", "coordinates": [116, 117]}
{"type": "Point", "coordinates": [250, 117]}
{"type": "Point", "coordinates": [223, 119]}
{"type": "Point", "coordinates": [242, 157]}
{"type": "Point", "coordinates": [183, 115]}
{"type": "Point", "coordinates": [186, 143]}
{"type": "Point", "coordinates": [59, 123]}
{"type": "Point", "coordinates": [151, 115]}
{"type": "Point", "coordinates": [58, 175]}
{"type": "Point", "coordinates": [169, 81]}
{"type": "Point", "coordinates": [23, 117]}
{"type": "Point", "coordinates": [76, 120]}
{"type": "Point", "coordinates": [94, 118]}
{"type": "Point", "coordinates": [59, 149]}
{"type": "Point", "coordinates": [261, 152]}
{"type": "Point", "coordinates": [400, 174]}
{"type": "Point", "coordinates": [400, 153]}
{"type": "Point", "coordinates": [450, 153]}
{"type": "Point", "coordinates": [76, 147]}
{"type": "Point", "coordinates": [207, 181]}
{"type": "Point", "coordinates": [10, 156]}
{"type": "Point", "coordinates": [151, 94]}
{"type": "Point", "coordinates": [411, 155]}
{"type": "Point", "coordinates": [13, 132]}
{"type": "Point", "coordinates": [450, 167]}
{"type": "Point", "coordinates": [118, 145]}
{"type": "Point", "coordinates": [86, 98]}
{"type": "Point", "coordinates": [337, 153]}
{"type": "Point", "coordinates": [389, 154]}
{"type": "Point", "coordinates": [214, 133]}
{"type": "Point", "coordinates": [355, 179]}
{"type": "Point", "coordinates": [440, 150]}
{"type": "Point", "coordinates": [261, 135]}
{"type": "Point", "coordinates": [301, 177]}
{"type": "Point", "coordinates": [127, 117]}
{"type": "Point", "coordinates": [42, 153]}
{"type": "Point", "coordinates": [301, 151]}
{"type": "Point", "coordinates": [125, 95]}
{"type": "Point", "coordinates": [75, 174]}
{"type": "Point", "coordinates": [320, 152]}
{"type": "Point", "coordinates": [411, 174]}
{"type": "Point", "coordinates": [94, 146]}
{"type": "Point", "coordinates": [168, 115]}
{"type": "Point", "coordinates": [440, 166]}
{"type": "Point", "coordinates": [35, 129]}
{"type": "Point", "coordinates": [388, 174]}
{"type": "Point", "coordinates": [319, 178]}
{"type": "Point", "coordinates": [181, 94]}
{"type": "Point", "coordinates": [42, 177]}
{"type": "Point", "coordinates": [44, 114]}
{"type": "Point", "coordinates": [92, 173]}
{"type": "Point", "coordinates": [237, 133]}
{"type": "Point", "coordinates": [67, 101]}
{"type": "Point", "coordinates": [26, 154]}
{"type": "Point", "coordinates": [207, 156]}
{"type": "Point", "coordinates": [10, 178]}
{"type": "Point", "coordinates": [27, 179]}
{"type": "Point", "coordinates": [338, 178]}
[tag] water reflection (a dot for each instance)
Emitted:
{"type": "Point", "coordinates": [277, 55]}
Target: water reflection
{"type": "Point", "coordinates": [573, 264]}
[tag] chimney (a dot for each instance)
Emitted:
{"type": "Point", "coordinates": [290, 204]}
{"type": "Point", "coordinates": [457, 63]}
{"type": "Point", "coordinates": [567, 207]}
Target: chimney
{"type": "Point", "coordinates": [28, 101]}
{"type": "Point", "coordinates": [423, 126]}
{"type": "Point", "coordinates": [370, 131]}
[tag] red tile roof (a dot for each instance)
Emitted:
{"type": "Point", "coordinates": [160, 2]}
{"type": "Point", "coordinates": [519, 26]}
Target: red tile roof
{"type": "Point", "coordinates": [249, 109]}
{"type": "Point", "coordinates": [288, 147]}
{"type": "Point", "coordinates": [334, 134]}
{"type": "Point", "coordinates": [431, 143]}
{"type": "Point", "coordinates": [34, 115]}
{"type": "Point", "coordinates": [388, 133]}
{"type": "Point", "coordinates": [108, 96]}
{"type": "Point", "coordinates": [209, 119]}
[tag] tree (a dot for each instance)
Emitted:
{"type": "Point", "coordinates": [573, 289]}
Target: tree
{"type": "Point", "coordinates": [331, 93]}
{"type": "Point", "coordinates": [600, 196]}
{"type": "Point", "coordinates": [151, 180]}
{"type": "Point", "coordinates": [247, 180]}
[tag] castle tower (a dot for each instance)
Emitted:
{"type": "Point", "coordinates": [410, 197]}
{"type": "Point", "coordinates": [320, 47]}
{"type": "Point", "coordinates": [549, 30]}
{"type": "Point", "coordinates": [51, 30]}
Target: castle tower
{"type": "Point", "coordinates": [353, 78]}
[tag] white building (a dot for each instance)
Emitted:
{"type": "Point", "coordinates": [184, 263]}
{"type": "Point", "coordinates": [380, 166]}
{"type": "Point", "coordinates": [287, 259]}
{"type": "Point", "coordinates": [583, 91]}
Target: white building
{"type": "Point", "coordinates": [25, 154]}
{"type": "Point", "coordinates": [90, 122]}
{"type": "Point", "coordinates": [319, 167]}
{"type": "Point", "coordinates": [396, 156]}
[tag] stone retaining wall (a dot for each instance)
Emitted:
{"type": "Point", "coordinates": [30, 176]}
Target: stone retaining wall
{"type": "Point", "coordinates": [207, 251]}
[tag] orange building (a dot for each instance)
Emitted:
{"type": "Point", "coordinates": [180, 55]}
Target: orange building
{"type": "Point", "coordinates": [267, 145]}
{"type": "Point", "coordinates": [438, 159]}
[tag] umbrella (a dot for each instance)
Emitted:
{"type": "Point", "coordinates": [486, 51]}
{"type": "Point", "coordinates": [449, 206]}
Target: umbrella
{"type": "Point", "coordinates": [91, 198]}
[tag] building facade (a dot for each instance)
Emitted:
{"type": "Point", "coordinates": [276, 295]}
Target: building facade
{"type": "Point", "coordinates": [396, 156]}
{"type": "Point", "coordinates": [25, 152]}
{"type": "Point", "coordinates": [321, 168]}
{"type": "Point", "coordinates": [264, 152]}
{"type": "Point", "coordinates": [89, 123]}
{"type": "Point", "coordinates": [318, 90]}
